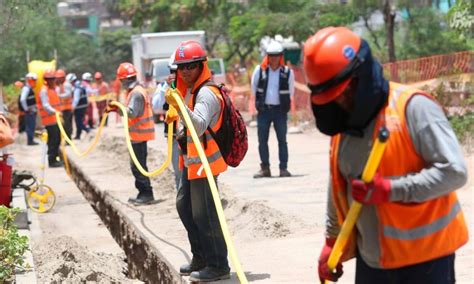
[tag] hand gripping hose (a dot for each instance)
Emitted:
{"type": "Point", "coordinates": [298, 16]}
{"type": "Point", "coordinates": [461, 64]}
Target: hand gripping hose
{"type": "Point", "coordinates": [367, 176]}
{"type": "Point", "coordinates": [212, 184]}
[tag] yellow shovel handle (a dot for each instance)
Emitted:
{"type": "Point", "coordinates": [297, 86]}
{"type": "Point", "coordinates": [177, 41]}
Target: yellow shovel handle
{"type": "Point", "coordinates": [367, 176]}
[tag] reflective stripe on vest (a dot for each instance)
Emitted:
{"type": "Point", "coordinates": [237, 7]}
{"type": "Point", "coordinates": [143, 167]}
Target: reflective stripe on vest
{"type": "Point", "coordinates": [83, 101]}
{"type": "Point", "coordinates": [212, 152]}
{"type": "Point", "coordinates": [141, 128]}
{"type": "Point", "coordinates": [46, 117]}
{"type": "Point", "coordinates": [31, 98]}
{"type": "Point", "coordinates": [66, 103]}
{"type": "Point", "coordinates": [409, 233]}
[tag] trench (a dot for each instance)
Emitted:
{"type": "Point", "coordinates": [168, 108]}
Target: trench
{"type": "Point", "coordinates": [144, 260]}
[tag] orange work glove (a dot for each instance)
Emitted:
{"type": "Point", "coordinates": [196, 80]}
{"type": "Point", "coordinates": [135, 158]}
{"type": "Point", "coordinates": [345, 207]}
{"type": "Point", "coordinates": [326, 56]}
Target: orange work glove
{"type": "Point", "coordinates": [170, 98]}
{"type": "Point", "coordinates": [323, 269]}
{"type": "Point", "coordinates": [171, 115]}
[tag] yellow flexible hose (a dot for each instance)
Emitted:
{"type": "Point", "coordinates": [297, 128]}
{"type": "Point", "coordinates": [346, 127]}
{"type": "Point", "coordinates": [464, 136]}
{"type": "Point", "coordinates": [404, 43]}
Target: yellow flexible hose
{"type": "Point", "coordinates": [215, 194]}
{"type": "Point", "coordinates": [130, 149]}
{"type": "Point", "coordinates": [66, 161]}
{"type": "Point", "coordinates": [367, 175]}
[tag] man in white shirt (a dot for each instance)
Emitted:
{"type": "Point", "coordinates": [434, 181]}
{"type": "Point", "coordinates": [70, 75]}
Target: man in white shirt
{"type": "Point", "coordinates": [273, 86]}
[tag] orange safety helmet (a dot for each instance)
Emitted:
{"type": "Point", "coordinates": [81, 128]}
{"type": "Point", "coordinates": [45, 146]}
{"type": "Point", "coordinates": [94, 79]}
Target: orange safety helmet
{"type": "Point", "coordinates": [330, 58]}
{"type": "Point", "coordinates": [126, 70]}
{"type": "Point", "coordinates": [60, 73]}
{"type": "Point", "coordinates": [98, 75]}
{"type": "Point", "coordinates": [189, 51]}
{"type": "Point", "coordinates": [49, 74]}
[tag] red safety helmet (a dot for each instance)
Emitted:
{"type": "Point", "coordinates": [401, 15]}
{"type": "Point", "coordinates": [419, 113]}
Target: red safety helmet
{"type": "Point", "coordinates": [98, 75]}
{"type": "Point", "coordinates": [329, 56]}
{"type": "Point", "coordinates": [189, 51]}
{"type": "Point", "coordinates": [49, 74]}
{"type": "Point", "coordinates": [126, 70]}
{"type": "Point", "coordinates": [60, 73]}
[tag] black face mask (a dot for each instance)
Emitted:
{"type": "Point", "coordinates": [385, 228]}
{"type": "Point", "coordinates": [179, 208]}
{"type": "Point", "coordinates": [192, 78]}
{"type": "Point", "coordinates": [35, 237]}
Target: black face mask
{"type": "Point", "coordinates": [331, 119]}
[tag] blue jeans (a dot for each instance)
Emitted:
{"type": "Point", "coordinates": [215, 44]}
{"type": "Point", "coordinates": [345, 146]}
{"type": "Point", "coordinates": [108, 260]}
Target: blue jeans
{"type": "Point", "coordinates": [436, 271]}
{"type": "Point", "coordinates": [142, 183]}
{"type": "Point", "coordinates": [198, 213]}
{"type": "Point", "coordinates": [79, 118]}
{"type": "Point", "coordinates": [30, 125]}
{"type": "Point", "coordinates": [264, 120]}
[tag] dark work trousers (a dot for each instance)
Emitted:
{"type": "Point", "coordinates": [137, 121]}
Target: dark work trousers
{"type": "Point", "coordinates": [437, 271]}
{"type": "Point", "coordinates": [21, 123]}
{"type": "Point", "coordinates": [30, 125]}
{"type": "Point", "coordinates": [79, 118]}
{"type": "Point", "coordinates": [142, 183]}
{"type": "Point", "coordinates": [54, 139]}
{"type": "Point", "coordinates": [197, 211]}
{"type": "Point", "coordinates": [265, 118]}
{"type": "Point", "coordinates": [67, 118]}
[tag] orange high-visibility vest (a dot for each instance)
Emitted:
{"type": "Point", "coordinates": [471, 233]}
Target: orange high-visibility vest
{"type": "Point", "coordinates": [46, 117]}
{"type": "Point", "coordinates": [409, 233]}
{"type": "Point", "coordinates": [211, 149]}
{"type": "Point", "coordinates": [66, 103]}
{"type": "Point", "coordinates": [141, 128]}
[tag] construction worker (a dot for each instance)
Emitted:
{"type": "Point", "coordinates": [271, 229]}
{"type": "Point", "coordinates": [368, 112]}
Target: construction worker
{"type": "Point", "coordinates": [141, 129]}
{"type": "Point", "coordinates": [273, 87]}
{"type": "Point", "coordinates": [28, 106]}
{"type": "Point", "coordinates": [79, 104]}
{"type": "Point", "coordinates": [48, 106]}
{"type": "Point", "coordinates": [64, 90]}
{"type": "Point", "coordinates": [159, 105]}
{"type": "Point", "coordinates": [194, 202]}
{"type": "Point", "coordinates": [86, 83]}
{"type": "Point", "coordinates": [102, 89]}
{"type": "Point", "coordinates": [411, 223]}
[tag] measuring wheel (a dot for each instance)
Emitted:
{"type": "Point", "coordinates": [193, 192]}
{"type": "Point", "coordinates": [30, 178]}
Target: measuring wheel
{"type": "Point", "coordinates": [41, 198]}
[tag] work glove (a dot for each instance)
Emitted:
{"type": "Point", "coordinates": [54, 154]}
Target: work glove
{"type": "Point", "coordinates": [171, 115]}
{"type": "Point", "coordinates": [111, 108]}
{"type": "Point", "coordinates": [170, 99]}
{"type": "Point", "coordinates": [323, 268]}
{"type": "Point", "coordinates": [376, 192]}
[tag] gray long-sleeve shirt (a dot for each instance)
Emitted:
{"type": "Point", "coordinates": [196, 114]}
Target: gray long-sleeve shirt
{"type": "Point", "coordinates": [25, 91]}
{"type": "Point", "coordinates": [445, 171]}
{"type": "Point", "coordinates": [206, 110]}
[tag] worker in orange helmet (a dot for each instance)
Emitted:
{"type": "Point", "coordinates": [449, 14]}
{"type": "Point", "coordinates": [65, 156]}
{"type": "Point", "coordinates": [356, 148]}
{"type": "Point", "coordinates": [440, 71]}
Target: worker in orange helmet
{"type": "Point", "coordinates": [65, 92]}
{"type": "Point", "coordinates": [102, 88]}
{"type": "Point", "coordinates": [140, 126]}
{"type": "Point", "coordinates": [48, 105]}
{"type": "Point", "coordinates": [411, 223]}
{"type": "Point", "coordinates": [196, 209]}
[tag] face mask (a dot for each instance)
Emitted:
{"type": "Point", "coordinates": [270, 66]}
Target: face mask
{"type": "Point", "coordinates": [330, 118]}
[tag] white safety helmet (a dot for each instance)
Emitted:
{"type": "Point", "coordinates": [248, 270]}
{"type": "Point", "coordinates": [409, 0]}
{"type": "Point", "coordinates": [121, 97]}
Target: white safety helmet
{"type": "Point", "coordinates": [274, 48]}
{"type": "Point", "coordinates": [32, 76]}
{"type": "Point", "coordinates": [171, 65]}
{"type": "Point", "coordinates": [71, 77]}
{"type": "Point", "coordinates": [87, 76]}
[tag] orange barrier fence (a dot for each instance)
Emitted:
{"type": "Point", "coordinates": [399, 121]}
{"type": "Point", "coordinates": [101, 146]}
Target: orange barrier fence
{"type": "Point", "coordinates": [406, 71]}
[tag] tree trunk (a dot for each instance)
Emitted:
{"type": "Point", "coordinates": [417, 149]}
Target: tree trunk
{"type": "Point", "coordinates": [389, 17]}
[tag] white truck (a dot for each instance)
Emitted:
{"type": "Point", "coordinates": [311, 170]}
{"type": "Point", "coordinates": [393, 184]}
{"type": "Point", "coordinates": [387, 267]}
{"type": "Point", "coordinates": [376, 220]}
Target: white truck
{"type": "Point", "coordinates": [151, 52]}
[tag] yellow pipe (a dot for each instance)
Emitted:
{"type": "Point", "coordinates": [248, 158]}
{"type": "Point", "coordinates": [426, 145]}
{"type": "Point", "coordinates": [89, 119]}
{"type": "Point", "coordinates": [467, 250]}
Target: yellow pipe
{"type": "Point", "coordinates": [367, 175]}
{"type": "Point", "coordinates": [215, 193]}
{"type": "Point", "coordinates": [130, 149]}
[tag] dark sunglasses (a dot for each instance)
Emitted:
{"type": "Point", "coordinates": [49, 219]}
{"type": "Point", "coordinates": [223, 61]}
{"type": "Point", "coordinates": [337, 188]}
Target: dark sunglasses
{"type": "Point", "coordinates": [189, 66]}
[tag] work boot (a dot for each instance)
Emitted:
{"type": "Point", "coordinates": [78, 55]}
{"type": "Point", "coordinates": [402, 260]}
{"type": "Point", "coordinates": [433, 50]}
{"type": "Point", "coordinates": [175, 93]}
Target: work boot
{"type": "Point", "coordinates": [142, 199]}
{"type": "Point", "coordinates": [284, 173]}
{"type": "Point", "coordinates": [263, 172]}
{"type": "Point", "coordinates": [55, 164]}
{"type": "Point", "coordinates": [32, 143]}
{"type": "Point", "coordinates": [195, 265]}
{"type": "Point", "coordinates": [209, 274]}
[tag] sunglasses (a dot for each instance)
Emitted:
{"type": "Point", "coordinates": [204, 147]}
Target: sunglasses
{"type": "Point", "coordinates": [189, 66]}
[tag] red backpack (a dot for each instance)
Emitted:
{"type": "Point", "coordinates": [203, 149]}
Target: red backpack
{"type": "Point", "coordinates": [231, 137]}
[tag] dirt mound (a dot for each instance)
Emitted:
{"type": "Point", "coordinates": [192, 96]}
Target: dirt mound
{"type": "Point", "coordinates": [63, 260]}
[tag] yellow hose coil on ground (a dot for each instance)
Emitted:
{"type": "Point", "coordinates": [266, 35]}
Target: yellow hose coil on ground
{"type": "Point", "coordinates": [215, 193]}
